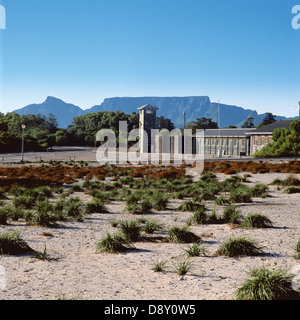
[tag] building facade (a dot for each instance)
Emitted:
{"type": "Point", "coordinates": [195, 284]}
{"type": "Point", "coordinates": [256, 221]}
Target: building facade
{"type": "Point", "coordinates": [262, 136]}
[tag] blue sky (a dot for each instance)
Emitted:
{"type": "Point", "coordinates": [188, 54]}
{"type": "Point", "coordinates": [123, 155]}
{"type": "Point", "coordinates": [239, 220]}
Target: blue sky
{"type": "Point", "coordinates": [240, 52]}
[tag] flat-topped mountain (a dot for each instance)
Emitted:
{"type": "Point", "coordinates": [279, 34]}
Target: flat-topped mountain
{"type": "Point", "coordinates": [169, 107]}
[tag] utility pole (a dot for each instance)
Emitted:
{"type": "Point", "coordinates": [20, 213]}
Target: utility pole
{"type": "Point", "coordinates": [184, 116]}
{"type": "Point", "coordinates": [23, 128]}
{"type": "Point", "coordinates": [219, 121]}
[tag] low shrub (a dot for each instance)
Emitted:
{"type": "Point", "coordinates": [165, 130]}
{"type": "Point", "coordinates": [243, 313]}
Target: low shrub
{"type": "Point", "coordinates": [42, 215]}
{"type": "Point", "coordinates": [4, 214]}
{"type": "Point", "coordinates": [159, 201]}
{"type": "Point", "coordinates": [182, 235]}
{"type": "Point", "coordinates": [113, 243]}
{"type": "Point", "coordinates": [221, 201]}
{"type": "Point", "coordinates": [12, 244]}
{"type": "Point", "coordinates": [95, 206]}
{"type": "Point", "coordinates": [150, 225]}
{"type": "Point", "coordinates": [131, 230]}
{"type": "Point", "coordinates": [265, 284]}
{"type": "Point", "coordinates": [26, 202]}
{"type": "Point", "coordinates": [257, 220]}
{"type": "Point", "coordinates": [241, 195]}
{"type": "Point", "coordinates": [291, 189]}
{"type": "Point", "coordinates": [142, 207]}
{"type": "Point", "coordinates": [241, 246]}
{"type": "Point", "coordinates": [259, 190]}
{"type": "Point", "coordinates": [189, 205]}
{"type": "Point", "coordinates": [230, 215]}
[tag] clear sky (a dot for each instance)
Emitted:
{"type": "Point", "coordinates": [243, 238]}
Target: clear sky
{"type": "Point", "coordinates": [241, 52]}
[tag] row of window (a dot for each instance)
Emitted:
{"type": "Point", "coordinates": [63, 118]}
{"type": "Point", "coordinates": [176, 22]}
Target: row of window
{"type": "Point", "coordinates": [224, 142]}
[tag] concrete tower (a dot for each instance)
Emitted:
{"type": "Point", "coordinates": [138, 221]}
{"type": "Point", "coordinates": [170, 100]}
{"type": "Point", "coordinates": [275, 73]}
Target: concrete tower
{"type": "Point", "coordinates": [147, 122]}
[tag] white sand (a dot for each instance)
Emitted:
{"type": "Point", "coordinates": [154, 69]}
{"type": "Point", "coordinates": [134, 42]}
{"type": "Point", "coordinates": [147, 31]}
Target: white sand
{"type": "Point", "coordinates": [81, 271]}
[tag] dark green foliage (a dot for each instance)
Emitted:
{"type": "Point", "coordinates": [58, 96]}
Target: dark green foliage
{"type": "Point", "coordinates": [265, 284]}
{"type": "Point", "coordinates": [39, 132]}
{"type": "Point", "coordinates": [190, 205]}
{"type": "Point", "coordinates": [12, 244]}
{"type": "Point", "coordinates": [231, 214]}
{"type": "Point", "coordinates": [241, 195]}
{"type": "Point", "coordinates": [26, 202]}
{"type": "Point", "coordinates": [182, 235]}
{"type": "Point", "coordinates": [286, 142]}
{"type": "Point", "coordinates": [95, 206]}
{"type": "Point", "coordinates": [257, 220]}
{"type": "Point", "coordinates": [259, 190]}
{"type": "Point", "coordinates": [292, 189]}
{"type": "Point", "coordinates": [131, 230]}
{"type": "Point", "coordinates": [241, 246]}
{"type": "Point", "coordinates": [113, 243]}
{"type": "Point", "coordinates": [159, 200]}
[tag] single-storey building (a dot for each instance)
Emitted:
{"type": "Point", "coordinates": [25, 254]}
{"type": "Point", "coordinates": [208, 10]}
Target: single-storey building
{"type": "Point", "coordinates": [226, 142]}
{"type": "Point", "coordinates": [262, 136]}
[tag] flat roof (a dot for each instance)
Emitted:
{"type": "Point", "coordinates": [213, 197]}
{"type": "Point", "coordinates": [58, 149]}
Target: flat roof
{"type": "Point", "coordinates": [233, 132]}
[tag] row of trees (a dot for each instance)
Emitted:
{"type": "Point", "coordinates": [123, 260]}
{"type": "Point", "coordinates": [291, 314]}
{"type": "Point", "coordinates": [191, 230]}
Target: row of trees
{"type": "Point", "coordinates": [43, 132]}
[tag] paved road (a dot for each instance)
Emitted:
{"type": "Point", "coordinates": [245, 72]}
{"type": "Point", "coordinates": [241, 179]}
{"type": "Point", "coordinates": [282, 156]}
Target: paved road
{"type": "Point", "coordinates": [89, 154]}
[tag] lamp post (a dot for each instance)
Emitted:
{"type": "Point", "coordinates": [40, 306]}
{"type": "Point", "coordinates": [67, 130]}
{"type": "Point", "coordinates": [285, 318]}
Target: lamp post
{"type": "Point", "coordinates": [23, 128]}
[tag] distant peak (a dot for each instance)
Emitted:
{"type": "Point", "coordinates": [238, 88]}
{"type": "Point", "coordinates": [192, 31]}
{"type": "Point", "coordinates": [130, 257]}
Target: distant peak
{"type": "Point", "coordinates": [51, 99]}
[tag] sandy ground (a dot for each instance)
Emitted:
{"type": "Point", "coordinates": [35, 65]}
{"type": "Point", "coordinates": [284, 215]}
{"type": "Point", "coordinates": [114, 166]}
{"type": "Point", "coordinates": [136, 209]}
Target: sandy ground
{"type": "Point", "coordinates": [81, 272]}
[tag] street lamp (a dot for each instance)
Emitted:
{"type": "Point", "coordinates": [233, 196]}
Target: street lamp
{"type": "Point", "coordinates": [23, 128]}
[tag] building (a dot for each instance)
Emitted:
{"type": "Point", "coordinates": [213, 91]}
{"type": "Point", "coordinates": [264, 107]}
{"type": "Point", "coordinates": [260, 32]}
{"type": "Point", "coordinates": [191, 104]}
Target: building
{"type": "Point", "coordinates": [262, 136]}
{"type": "Point", "coordinates": [226, 142]}
{"type": "Point", "coordinates": [213, 142]}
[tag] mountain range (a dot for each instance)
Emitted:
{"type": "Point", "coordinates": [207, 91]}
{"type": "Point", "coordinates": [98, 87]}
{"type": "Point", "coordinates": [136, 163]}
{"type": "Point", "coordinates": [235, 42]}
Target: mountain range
{"type": "Point", "coordinates": [169, 107]}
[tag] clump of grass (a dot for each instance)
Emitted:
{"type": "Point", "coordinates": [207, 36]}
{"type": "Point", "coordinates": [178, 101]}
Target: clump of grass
{"type": "Point", "coordinates": [298, 249]}
{"type": "Point", "coordinates": [221, 201]}
{"type": "Point", "coordinates": [143, 207]}
{"type": "Point", "coordinates": [240, 246]}
{"type": "Point", "coordinates": [159, 266]}
{"type": "Point", "coordinates": [260, 190]}
{"type": "Point", "coordinates": [232, 183]}
{"type": "Point", "coordinates": [189, 205]}
{"type": "Point", "coordinates": [2, 195]}
{"type": "Point", "coordinates": [150, 226]}
{"type": "Point", "coordinates": [42, 215]}
{"type": "Point", "coordinates": [182, 235]}
{"type": "Point", "coordinates": [265, 284]}
{"type": "Point", "coordinates": [43, 255]}
{"type": "Point", "coordinates": [290, 180]}
{"type": "Point", "coordinates": [113, 243]}
{"type": "Point", "coordinates": [291, 189]}
{"type": "Point", "coordinates": [197, 249]}
{"type": "Point", "coordinates": [12, 244]}
{"type": "Point", "coordinates": [241, 195]}
{"type": "Point", "coordinates": [131, 230]}
{"type": "Point", "coordinates": [24, 201]}
{"type": "Point", "coordinates": [231, 214]}
{"type": "Point", "coordinates": [95, 206]}
{"type": "Point", "coordinates": [160, 201]}
{"type": "Point", "coordinates": [74, 209]}
{"type": "Point", "coordinates": [182, 267]}
{"type": "Point", "coordinates": [257, 220]}
{"type": "Point", "coordinates": [4, 214]}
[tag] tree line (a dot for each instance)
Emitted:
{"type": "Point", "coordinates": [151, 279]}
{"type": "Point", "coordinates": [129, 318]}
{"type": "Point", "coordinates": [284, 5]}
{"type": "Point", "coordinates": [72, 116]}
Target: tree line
{"type": "Point", "coordinates": [42, 132]}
